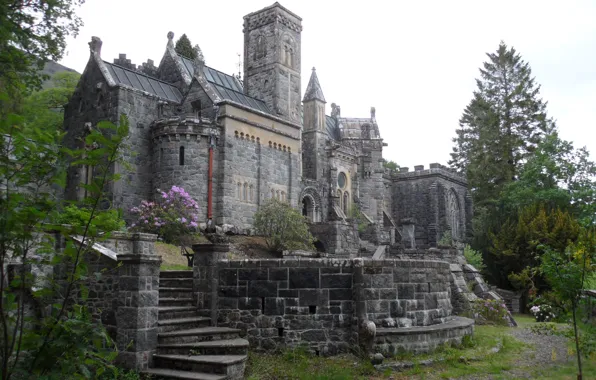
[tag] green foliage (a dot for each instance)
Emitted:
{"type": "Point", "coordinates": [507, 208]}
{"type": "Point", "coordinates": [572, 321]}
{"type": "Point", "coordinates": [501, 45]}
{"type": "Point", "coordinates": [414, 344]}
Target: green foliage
{"type": "Point", "coordinates": [519, 242]}
{"type": "Point", "coordinates": [566, 271]}
{"type": "Point", "coordinates": [391, 165]}
{"type": "Point", "coordinates": [501, 126]}
{"type": "Point", "coordinates": [283, 227]}
{"type": "Point", "coordinates": [356, 214]}
{"type": "Point", "coordinates": [474, 258]}
{"type": "Point", "coordinates": [184, 47]}
{"type": "Point", "coordinates": [45, 108]}
{"type": "Point", "coordinates": [65, 343]}
{"type": "Point", "coordinates": [446, 239]}
{"type": "Point", "coordinates": [103, 220]}
{"type": "Point", "coordinates": [32, 33]}
{"type": "Point", "coordinates": [490, 312]}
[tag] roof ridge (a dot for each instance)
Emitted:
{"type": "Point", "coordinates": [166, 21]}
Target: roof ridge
{"type": "Point", "coordinates": [139, 73]}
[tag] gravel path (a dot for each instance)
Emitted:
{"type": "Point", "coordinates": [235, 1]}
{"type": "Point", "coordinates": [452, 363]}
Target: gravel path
{"type": "Point", "coordinates": [546, 351]}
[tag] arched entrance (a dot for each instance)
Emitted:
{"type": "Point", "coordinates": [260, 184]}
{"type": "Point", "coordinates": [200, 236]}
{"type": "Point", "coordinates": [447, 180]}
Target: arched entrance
{"type": "Point", "coordinates": [311, 204]}
{"type": "Point", "coordinates": [308, 208]}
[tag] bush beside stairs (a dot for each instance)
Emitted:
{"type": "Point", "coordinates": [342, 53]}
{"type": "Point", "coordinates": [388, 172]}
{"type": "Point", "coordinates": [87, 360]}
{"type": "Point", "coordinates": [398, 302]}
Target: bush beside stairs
{"type": "Point", "coordinates": [189, 347]}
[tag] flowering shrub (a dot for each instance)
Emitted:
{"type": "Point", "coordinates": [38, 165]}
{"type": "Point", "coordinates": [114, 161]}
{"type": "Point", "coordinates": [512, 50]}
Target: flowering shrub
{"type": "Point", "coordinates": [543, 313]}
{"type": "Point", "coordinates": [490, 312]}
{"type": "Point", "coordinates": [173, 215]}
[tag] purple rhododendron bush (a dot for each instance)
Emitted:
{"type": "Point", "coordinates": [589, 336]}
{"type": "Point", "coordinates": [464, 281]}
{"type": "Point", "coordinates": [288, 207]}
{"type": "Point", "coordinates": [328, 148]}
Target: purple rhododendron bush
{"type": "Point", "coordinates": [173, 215]}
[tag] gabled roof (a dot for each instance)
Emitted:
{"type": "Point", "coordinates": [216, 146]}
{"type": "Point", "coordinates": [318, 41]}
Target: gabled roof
{"type": "Point", "coordinates": [313, 89]}
{"type": "Point", "coordinates": [226, 86]}
{"type": "Point", "coordinates": [143, 82]}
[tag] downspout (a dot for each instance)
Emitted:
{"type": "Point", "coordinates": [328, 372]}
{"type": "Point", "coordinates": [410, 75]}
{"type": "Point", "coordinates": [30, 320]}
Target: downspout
{"type": "Point", "coordinates": [210, 226]}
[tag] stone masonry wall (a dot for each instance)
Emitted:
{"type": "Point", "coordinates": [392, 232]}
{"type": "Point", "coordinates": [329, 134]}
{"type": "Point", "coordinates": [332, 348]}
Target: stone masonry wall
{"type": "Point", "coordinates": [265, 171]}
{"type": "Point", "coordinates": [288, 302]}
{"type": "Point", "coordinates": [420, 198]}
{"type": "Point", "coordinates": [313, 302]}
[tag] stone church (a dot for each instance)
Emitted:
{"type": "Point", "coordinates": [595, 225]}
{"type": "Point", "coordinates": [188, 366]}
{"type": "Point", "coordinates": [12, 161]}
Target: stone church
{"type": "Point", "coordinates": [233, 144]}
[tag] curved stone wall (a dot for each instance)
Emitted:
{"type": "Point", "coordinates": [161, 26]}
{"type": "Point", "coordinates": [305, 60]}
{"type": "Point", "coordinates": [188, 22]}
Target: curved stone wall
{"type": "Point", "coordinates": [319, 303]}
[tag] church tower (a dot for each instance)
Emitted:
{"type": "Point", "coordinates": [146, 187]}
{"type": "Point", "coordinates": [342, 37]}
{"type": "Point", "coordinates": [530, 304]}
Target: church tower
{"type": "Point", "coordinates": [314, 129]}
{"type": "Point", "coordinates": [272, 60]}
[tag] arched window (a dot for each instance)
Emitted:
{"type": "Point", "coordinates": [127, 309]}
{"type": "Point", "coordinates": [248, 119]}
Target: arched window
{"type": "Point", "coordinates": [239, 191]}
{"type": "Point", "coordinates": [181, 156]}
{"type": "Point", "coordinates": [245, 194]}
{"type": "Point", "coordinates": [453, 213]}
{"type": "Point", "coordinates": [339, 195]}
{"type": "Point", "coordinates": [346, 202]}
{"type": "Point", "coordinates": [283, 196]}
{"type": "Point", "coordinates": [272, 193]}
{"type": "Point", "coordinates": [277, 195]}
{"type": "Point", "coordinates": [251, 195]}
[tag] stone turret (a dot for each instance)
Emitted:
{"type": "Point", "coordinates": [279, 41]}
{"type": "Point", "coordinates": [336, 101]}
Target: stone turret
{"type": "Point", "coordinates": [313, 137]}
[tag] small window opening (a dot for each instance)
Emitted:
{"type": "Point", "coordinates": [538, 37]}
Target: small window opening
{"type": "Point", "coordinates": [181, 156]}
{"type": "Point", "coordinates": [280, 331]}
{"type": "Point", "coordinates": [263, 305]}
{"type": "Point", "coordinates": [312, 309]}
{"type": "Point", "coordinates": [317, 353]}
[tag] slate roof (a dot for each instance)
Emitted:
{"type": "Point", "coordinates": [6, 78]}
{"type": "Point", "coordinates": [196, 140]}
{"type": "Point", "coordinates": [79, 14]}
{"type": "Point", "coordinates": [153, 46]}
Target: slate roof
{"type": "Point", "coordinates": [332, 128]}
{"type": "Point", "coordinates": [313, 89]}
{"type": "Point", "coordinates": [144, 82]}
{"type": "Point", "coordinates": [226, 86]}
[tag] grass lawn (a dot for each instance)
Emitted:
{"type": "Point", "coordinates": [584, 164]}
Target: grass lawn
{"type": "Point", "coordinates": [472, 360]}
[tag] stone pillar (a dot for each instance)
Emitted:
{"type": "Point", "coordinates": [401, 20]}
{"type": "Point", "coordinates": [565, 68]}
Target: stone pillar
{"type": "Point", "coordinates": [206, 277]}
{"type": "Point", "coordinates": [138, 298]}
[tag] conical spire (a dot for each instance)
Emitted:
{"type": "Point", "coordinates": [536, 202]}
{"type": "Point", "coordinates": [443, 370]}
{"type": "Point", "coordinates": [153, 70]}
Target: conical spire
{"type": "Point", "coordinates": [313, 90]}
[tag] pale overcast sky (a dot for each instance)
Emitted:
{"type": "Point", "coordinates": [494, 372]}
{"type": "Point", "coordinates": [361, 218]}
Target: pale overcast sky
{"type": "Point", "coordinates": [415, 61]}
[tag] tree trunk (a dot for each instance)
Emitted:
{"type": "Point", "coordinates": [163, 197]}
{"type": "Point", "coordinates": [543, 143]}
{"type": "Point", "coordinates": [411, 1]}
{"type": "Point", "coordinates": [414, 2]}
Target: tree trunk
{"type": "Point", "coordinates": [579, 357]}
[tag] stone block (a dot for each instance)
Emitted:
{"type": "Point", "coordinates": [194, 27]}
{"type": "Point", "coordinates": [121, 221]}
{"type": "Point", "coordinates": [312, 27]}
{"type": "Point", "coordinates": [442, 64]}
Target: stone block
{"type": "Point", "coordinates": [336, 281]}
{"type": "Point", "coordinates": [377, 306]}
{"type": "Point", "coordinates": [291, 293]}
{"type": "Point", "coordinates": [406, 291]}
{"type": "Point", "coordinates": [278, 274]}
{"type": "Point", "coordinates": [309, 297]}
{"type": "Point", "coordinates": [253, 274]}
{"type": "Point", "coordinates": [262, 289]}
{"type": "Point", "coordinates": [232, 291]}
{"type": "Point", "coordinates": [388, 294]}
{"type": "Point", "coordinates": [382, 281]}
{"type": "Point", "coordinates": [274, 306]}
{"type": "Point", "coordinates": [340, 294]}
{"type": "Point", "coordinates": [314, 336]}
{"type": "Point", "coordinates": [227, 303]}
{"type": "Point", "coordinates": [304, 278]}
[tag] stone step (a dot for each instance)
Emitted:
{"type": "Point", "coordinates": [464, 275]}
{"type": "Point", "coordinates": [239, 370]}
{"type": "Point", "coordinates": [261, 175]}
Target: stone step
{"type": "Point", "coordinates": [171, 301]}
{"type": "Point", "coordinates": [175, 282]}
{"type": "Point", "coordinates": [163, 373]}
{"type": "Point", "coordinates": [175, 312]}
{"type": "Point", "coordinates": [201, 334]}
{"type": "Point", "coordinates": [175, 292]}
{"type": "Point", "coordinates": [167, 325]}
{"type": "Point", "coordinates": [236, 346]}
{"type": "Point", "coordinates": [175, 274]}
{"type": "Point", "coordinates": [231, 366]}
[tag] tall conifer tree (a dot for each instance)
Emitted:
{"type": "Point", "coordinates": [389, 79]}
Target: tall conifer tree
{"type": "Point", "coordinates": [501, 126]}
{"type": "Point", "coordinates": [184, 47]}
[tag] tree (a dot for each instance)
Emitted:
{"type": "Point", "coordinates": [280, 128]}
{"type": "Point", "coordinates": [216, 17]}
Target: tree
{"type": "Point", "coordinates": [32, 33]}
{"type": "Point", "coordinates": [45, 108]}
{"type": "Point", "coordinates": [184, 47]}
{"type": "Point", "coordinates": [283, 227]}
{"type": "Point", "coordinates": [65, 342]}
{"type": "Point", "coordinates": [391, 165]}
{"type": "Point", "coordinates": [501, 126]}
{"type": "Point", "coordinates": [518, 244]}
{"type": "Point", "coordinates": [567, 271]}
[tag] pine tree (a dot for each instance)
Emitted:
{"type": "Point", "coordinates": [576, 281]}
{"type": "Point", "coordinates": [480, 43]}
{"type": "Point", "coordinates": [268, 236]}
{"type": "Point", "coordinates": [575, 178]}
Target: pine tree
{"type": "Point", "coordinates": [501, 126]}
{"type": "Point", "coordinates": [184, 47]}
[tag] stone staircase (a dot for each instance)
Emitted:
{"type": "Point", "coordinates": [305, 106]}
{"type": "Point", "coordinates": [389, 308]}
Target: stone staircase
{"type": "Point", "coordinates": [188, 346]}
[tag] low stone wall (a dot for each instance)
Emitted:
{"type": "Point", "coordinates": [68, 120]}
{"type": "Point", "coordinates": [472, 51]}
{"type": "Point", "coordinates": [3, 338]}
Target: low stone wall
{"type": "Point", "coordinates": [405, 293]}
{"type": "Point", "coordinates": [449, 255]}
{"type": "Point", "coordinates": [337, 237]}
{"type": "Point", "coordinates": [317, 302]}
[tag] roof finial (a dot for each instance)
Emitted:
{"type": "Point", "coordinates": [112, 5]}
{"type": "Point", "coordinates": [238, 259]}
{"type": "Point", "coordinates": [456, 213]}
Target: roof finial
{"type": "Point", "coordinates": [313, 89]}
{"type": "Point", "coordinates": [313, 69]}
{"type": "Point", "coordinates": [373, 113]}
{"type": "Point", "coordinates": [170, 35]}
{"type": "Point", "coordinates": [95, 46]}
